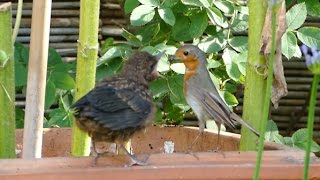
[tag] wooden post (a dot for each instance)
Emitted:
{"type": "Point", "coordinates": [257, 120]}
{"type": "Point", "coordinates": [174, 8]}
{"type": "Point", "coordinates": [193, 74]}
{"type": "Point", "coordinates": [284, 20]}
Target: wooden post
{"type": "Point", "coordinates": [33, 125]}
{"type": "Point", "coordinates": [7, 86]}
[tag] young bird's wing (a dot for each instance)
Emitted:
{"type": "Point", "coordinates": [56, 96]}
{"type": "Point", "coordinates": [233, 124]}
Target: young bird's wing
{"type": "Point", "coordinates": [114, 108]}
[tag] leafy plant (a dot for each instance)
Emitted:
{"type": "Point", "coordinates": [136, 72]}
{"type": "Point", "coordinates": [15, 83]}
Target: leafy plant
{"type": "Point", "coordinates": [60, 84]}
{"type": "Point", "coordinates": [297, 140]}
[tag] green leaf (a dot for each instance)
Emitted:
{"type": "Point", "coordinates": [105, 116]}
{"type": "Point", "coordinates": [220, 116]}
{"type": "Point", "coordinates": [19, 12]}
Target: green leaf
{"type": "Point", "coordinates": [300, 138]}
{"type": "Point", "coordinates": [313, 7]}
{"type": "Point", "coordinates": [216, 17]}
{"type": "Point", "coordinates": [213, 64]}
{"type": "Point", "coordinates": [192, 3]}
{"type": "Point", "coordinates": [225, 6]}
{"type": "Point", "coordinates": [129, 5]}
{"type": "Point", "coordinates": [169, 3]}
{"type": "Point", "coordinates": [147, 33]}
{"type": "Point", "coordinates": [169, 49]}
{"type": "Point", "coordinates": [176, 89]}
{"type": "Point", "coordinates": [21, 74]}
{"type": "Point", "coordinates": [50, 94]}
{"type": "Point", "coordinates": [109, 68]}
{"type": "Point", "coordinates": [230, 99]}
{"type": "Point", "coordinates": [159, 88]}
{"type": "Point", "coordinates": [19, 118]}
{"type": "Point", "coordinates": [231, 67]}
{"type": "Point", "coordinates": [309, 36]}
{"type": "Point", "coordinates": [288, 141]}
{"type": "Point", "coordinates": [239, 43]}
{"type": "Point", "coordinates": [62, 67]}
{"type": "Point", "coordinates": [150, 2]}
{"type": "Point", "coordinates": [53, 57]}
{"type": "Point", "coordinates": [212, 44]}
{"type": "Point", "coordinates": [188, 27]}
{"type": "Point", "coordinates": [132, 39]}
{"type": "Point", "coordinates": [178, 68]}
{"type": "Point", "coordinates": [278, 139]}
{"type": "Point", "coordinates": [62, 80]}
{"type": "Point", "coordinates": [114, 52]}
{"type": "Point", "coordinates": [240, 23]}
{"type": "Point", "coordinates": [167, 15]}
{"type": "Point", "coordinates": [296, 16]}
{"type": "Point", "coordinates": [141, 15]}
{"type": "Point", "coordinates": [59, 117]}
{"type": "Point", "coordinates": [289, 44]}
{"type": "Point", "coordinates": [271, 131]}
{"type": "Point", "coordinates": [107, 43]}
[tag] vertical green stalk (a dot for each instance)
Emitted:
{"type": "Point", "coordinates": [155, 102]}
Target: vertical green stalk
{"type": "Point", "coordinates": [311, 114]}
{"type": "Point", "coordinates": [86, 65]}
{"type": "Point", "coordinates": [7, 87]}
{"type": "Point", "coordinates": [266, 106]}
{"type": "Point", "coordinates": [255, 83]}
{"type": "Point", "coordinates": [18, 20]}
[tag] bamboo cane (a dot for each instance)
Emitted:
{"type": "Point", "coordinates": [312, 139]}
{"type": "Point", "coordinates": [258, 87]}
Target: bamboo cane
{"type": "Point", "coordinates": [33, 127]}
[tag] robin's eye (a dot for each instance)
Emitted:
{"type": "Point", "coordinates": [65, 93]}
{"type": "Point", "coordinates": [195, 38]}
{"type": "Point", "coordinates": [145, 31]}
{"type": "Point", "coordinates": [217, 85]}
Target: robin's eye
{"type": "Point", "coordinates": [185, 53]}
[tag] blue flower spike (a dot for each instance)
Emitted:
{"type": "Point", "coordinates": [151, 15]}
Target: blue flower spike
{"type": "Point", "coordinates": [312, 56]}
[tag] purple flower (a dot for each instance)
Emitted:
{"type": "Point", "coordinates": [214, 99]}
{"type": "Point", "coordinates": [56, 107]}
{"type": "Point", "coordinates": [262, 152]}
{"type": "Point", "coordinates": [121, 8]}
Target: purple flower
{"type": "Point", "coordinates": [312, 56]}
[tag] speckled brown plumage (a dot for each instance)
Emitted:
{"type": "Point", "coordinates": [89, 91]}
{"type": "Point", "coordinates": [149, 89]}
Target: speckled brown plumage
{"type": "Point", "coordinates": [120, 105]}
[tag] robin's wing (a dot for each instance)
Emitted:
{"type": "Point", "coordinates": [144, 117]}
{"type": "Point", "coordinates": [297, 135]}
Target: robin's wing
{"type": "Point", "coordinates": [113, 108]}
{"type": "Point", "coordinates": [215, 107]}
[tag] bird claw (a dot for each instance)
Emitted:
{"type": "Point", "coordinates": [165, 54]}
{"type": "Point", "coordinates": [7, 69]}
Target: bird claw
{"type": "Point", "coordinates": [220, 151]}
{"type": "Point", "coordinates": [189, 151]}
{"type": "Point", "coordinates": [135, 161]}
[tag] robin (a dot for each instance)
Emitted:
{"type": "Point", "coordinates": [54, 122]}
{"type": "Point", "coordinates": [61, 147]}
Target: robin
{"type": "Point", "coordinates": [121, 105]}
{"type": "Point", "coordinates": [201, 94]}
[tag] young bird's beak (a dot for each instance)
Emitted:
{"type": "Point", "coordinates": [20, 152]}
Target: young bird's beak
{"type": "Point", "coordinates": [159, 55]}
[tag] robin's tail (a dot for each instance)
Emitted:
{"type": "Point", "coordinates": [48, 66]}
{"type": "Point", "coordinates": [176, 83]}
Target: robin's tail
{"type": "Point", "coordinates": [237, 118]}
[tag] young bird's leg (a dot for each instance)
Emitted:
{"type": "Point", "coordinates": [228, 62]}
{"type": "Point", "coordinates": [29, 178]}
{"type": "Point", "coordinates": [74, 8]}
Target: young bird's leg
{"type": "Point", "coordinates": [98, 154]}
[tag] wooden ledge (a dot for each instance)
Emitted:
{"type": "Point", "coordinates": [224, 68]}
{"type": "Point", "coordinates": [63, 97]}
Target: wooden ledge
{"type": "Point", "coordinates": [210, 165]}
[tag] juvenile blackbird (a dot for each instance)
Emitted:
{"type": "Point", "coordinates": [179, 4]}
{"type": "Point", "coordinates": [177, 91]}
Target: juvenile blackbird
{"type": "Point", "coordinates": [201, 94]}
{"type": "Point", "coordinates": [120, 105]}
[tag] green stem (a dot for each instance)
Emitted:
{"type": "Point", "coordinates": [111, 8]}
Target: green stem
{"type": "Point", "coordinates": [7, 87]}
{"type": "Point", "coordinates": [311, 114]}
{"type": "Point", "coordinates": [266, 106]}
{"type": "Point", "coordinates": [86, 65]}
{"type": "Point", "coordinates": [255, 83]}
{"type": "Point", "coordinates": [18, 20]}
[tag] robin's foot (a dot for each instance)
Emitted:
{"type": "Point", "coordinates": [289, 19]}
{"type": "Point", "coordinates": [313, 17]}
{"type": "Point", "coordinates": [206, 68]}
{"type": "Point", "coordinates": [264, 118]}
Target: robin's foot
{"type": "Point", "coordinates": [189, 151]}
{"type": "Point", "coordinates": [133, 159]}
{"type": "Point", "coordinates": [220, 151]}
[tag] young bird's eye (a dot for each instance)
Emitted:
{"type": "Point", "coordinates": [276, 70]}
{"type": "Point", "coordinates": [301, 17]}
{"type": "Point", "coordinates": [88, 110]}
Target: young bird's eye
{"type": "Point", "coordinates": [186, 53]}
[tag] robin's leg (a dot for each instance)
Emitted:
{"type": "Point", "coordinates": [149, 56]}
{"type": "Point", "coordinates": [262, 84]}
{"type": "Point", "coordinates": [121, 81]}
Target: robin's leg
{"type": "Point", "coordinates": [133, 159]}
{"type": "Point", "coordinates": [189, 150]}
{"type": "Point", "coordinates": [218, 148]}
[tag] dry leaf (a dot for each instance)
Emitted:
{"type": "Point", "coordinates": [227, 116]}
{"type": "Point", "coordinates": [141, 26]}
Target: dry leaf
{"type": "Point", "coordinates": [279, 85]}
